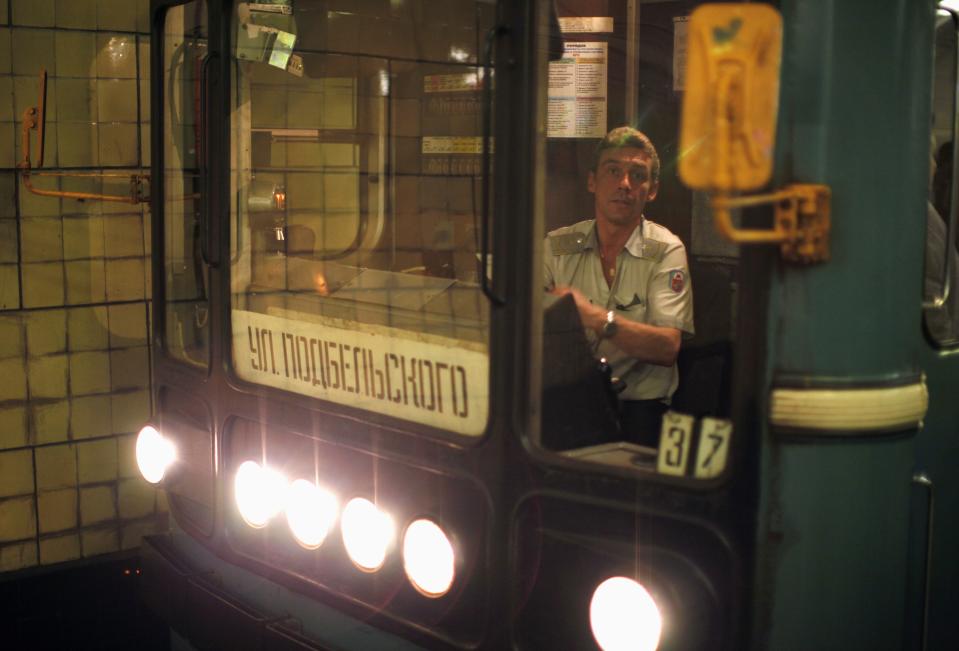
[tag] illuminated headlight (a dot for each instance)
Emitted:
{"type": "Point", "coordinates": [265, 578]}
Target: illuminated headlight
{"type": "Point", "coordinates": [155, 453]}
{"type": "Point", "coordinates": [260, 493]}
{"type": "Point", "coordinates": [367, 533]}
{"type": "Point", "coordinates": [623, 615]}
{"type": "Point", "coordinates": [310, 512]}
{"type": "Point", "coordinates": [428, 558]}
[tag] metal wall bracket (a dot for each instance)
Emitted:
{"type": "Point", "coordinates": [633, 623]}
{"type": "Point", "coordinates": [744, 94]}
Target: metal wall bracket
{"type": "Point", "coordinates": [802, 221]}
{"type": "Point", "coordinates": [34, 118]}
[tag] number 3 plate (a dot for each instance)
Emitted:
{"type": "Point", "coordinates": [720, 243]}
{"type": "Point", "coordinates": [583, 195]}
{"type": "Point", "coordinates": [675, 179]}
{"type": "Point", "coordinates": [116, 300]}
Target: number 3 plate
{"type": "Point", "coordinates": [675, 439]}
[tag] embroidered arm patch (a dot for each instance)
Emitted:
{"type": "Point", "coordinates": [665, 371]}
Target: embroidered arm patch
{"type": "Point", "coordinates": [677, 280]}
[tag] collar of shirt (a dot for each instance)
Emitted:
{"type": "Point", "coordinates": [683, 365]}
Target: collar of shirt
{"type": "Point", "coordinates": [635, 244]}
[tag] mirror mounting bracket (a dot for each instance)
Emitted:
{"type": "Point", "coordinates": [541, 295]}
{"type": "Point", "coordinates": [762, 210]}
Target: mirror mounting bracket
{"type": "Point", "coordinates": [801, 221]}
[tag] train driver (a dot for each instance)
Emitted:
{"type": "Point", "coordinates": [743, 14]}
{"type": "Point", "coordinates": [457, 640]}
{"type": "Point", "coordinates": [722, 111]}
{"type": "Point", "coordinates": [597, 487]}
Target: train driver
{"type": "Point", "coordinates": [629, 278]}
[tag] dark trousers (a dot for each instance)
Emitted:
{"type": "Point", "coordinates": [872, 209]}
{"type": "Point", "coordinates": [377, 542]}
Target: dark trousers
{"type": "Point", "coordinates": [641, 421]}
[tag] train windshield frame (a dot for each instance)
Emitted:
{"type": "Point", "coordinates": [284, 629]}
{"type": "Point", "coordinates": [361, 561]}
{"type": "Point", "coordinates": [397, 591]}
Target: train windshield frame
{"type": "Point", "coordinates": [359, 249]}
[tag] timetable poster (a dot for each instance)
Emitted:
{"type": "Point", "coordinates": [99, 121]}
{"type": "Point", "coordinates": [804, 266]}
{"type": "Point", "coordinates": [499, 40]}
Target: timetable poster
{"type": "Point", "coordinates": [578, 92]}
{"type": "Point", "coordinates": [680, 40]}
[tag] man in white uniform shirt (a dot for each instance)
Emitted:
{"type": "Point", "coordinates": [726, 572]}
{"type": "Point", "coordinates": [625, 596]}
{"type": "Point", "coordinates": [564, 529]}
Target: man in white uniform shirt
{"type": "Point", "coordinates": [629, 278]}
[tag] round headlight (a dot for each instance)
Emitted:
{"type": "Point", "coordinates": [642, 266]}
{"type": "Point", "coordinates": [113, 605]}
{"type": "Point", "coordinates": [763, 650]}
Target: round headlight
{"type": "Point", "coordinates": [428, 558]}
{"type": "Point", "coordinates": [155, 453]}
{"type": "Point", "coordinates": [310, 512]}
{"type": "Point", "coordinates": [260, 493]}
{"type": "Point", "coordinates": [623, 615]}
{"type": "Point", "coordinates": [367, 533]}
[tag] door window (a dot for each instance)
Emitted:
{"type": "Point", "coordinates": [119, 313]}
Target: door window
{"type": "Point", "coordinates": [186, 306]}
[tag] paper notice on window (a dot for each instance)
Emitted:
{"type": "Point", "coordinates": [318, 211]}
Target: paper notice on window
{"type": "Point", "coordinates": [453, 145]}
{"type": "Point", "coordinates": [586, 24]}
{"type": "Point", "coordinates": [578, 92]}
{"type": "Point", "coordinates": [680, 34]}
{"type": "Point", "coordinates": [451, 83]}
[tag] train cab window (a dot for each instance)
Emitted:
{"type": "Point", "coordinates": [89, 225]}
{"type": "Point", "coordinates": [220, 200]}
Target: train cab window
{"type": "Point", "coordinates": [186, 331]}
{"type": "Point", "coordinates": [941, 272]}
{"type": "Point", "coordinates": [633, 269]}
{"type": "Point", "coordinates": [355, 145]}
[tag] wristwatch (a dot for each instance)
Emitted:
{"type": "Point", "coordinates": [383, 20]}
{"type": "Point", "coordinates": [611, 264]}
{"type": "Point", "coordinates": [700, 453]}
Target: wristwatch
{"type": "Point", "coordinates": [610, 327]}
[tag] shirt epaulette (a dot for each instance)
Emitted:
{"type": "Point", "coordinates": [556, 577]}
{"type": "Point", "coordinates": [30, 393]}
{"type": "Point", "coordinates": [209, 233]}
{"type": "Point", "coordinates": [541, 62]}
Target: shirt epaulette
{"type": "Point", "coordinates": [567, 243]}
{"type": "Point", "coordinates": [654, 250]}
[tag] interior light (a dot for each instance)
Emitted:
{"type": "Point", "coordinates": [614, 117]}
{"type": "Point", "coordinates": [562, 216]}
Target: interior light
{"type": "Point", "coordinates": [260, 493]}
{"type": "Point", "coordinates": [368, 533]}
{"type": "Point", "coordinates": [155, 453]}
{"type": "Point", "coordinates": [310, 512]}
{"type": "Point", "coordinates": [428, 558]}
{"type": "Point", "coordinates": [459, 54]}
{"type": "Point", "coordinates": [623, 616]}
{"type": "Point", "coordinates": [384, 83]}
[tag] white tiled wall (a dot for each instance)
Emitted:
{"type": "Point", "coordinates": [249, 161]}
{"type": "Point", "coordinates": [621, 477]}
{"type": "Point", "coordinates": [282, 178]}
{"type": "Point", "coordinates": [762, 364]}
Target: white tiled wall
{"type": "Point", "coordinates": [74, 286]}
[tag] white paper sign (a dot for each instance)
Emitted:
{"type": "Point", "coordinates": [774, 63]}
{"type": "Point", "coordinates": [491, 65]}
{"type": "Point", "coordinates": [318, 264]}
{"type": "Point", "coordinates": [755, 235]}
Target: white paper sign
{"type": "Point", "coordinates": [451, 83]}
{"type": "Point", "coordinates": [586, 24]}
{"type": "Point", "coordinates": [578, 92]}
{"type": "Point", "coordinates": [439, 384]}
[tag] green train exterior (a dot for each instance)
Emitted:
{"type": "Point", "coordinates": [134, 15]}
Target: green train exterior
{"type": "Point", "coordinates": [349, 202]}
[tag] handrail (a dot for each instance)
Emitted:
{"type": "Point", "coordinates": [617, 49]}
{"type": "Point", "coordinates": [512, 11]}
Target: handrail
{"type": "Point", "coordinates": [34, 118]}
{"type": "Point", "coordinates": [946, 283]}
{"type": "Point", "coordinates": [486, 283]}
{"type": "Point", "coordinates": [209, 251]}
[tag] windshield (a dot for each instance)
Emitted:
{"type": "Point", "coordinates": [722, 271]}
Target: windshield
{"type": "Point", "coordinates": [356, 142]}
{"type": "Point", "coordinates": [639, 301]}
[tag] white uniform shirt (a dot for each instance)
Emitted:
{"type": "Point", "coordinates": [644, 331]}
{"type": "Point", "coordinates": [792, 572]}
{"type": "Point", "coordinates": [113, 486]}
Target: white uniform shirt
{"type": "Point", "coordinates": [651, 285]}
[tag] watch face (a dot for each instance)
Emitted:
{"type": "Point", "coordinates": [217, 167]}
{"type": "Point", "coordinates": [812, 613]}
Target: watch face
{"type": "Point", "coordinates": [610, 327]}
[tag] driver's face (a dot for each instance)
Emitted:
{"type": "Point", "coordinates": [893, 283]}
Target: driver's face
{"type": "Point", "coordinates": [622, 184]}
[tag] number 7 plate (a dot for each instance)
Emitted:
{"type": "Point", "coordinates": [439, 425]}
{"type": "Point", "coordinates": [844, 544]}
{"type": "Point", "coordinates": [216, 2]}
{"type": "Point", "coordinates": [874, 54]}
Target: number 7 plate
{"type": "Point", "coordinates": [714, 435]}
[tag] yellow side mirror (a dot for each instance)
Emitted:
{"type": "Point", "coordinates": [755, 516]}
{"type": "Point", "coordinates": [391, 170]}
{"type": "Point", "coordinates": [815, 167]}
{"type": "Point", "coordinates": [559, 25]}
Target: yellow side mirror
{"type": "Point", "coordinates": [731, 99]}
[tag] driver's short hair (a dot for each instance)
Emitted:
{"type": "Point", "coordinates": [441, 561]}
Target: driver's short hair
{"type": "Point", "coordinates": [627, 137]}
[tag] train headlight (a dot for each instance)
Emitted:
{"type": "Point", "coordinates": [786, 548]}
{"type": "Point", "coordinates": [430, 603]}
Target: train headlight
{"type": "Point", "coordinates": [155, 453]}
{"type": "Point", "coordinates": [428, 558]}
{"type": "Point", "coordinates": [623, 615]}
{"type": "Point", "coordinates": [310, 512]}
{"type": "Point", "coordinates": [368, 533]}
{"type": "Point", "coordinates": [260, 493]}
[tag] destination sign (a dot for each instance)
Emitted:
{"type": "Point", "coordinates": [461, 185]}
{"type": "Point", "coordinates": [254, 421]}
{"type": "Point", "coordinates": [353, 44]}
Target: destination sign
{"type": "Point", "coordinates": [424, 379]}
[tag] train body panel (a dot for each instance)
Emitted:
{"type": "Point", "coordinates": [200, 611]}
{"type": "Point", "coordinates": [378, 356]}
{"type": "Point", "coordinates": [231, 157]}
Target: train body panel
{"type": "Point", "coordinates": [836, 516]}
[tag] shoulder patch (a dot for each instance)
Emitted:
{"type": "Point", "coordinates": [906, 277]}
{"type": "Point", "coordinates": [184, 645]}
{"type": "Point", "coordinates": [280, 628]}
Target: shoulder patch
{"type": "Point", "coordinates": [567, 243]}
{"type": "Point", "coordinates": [677, 280]}
{"type": "Point", "coordinates": [654, 250]}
